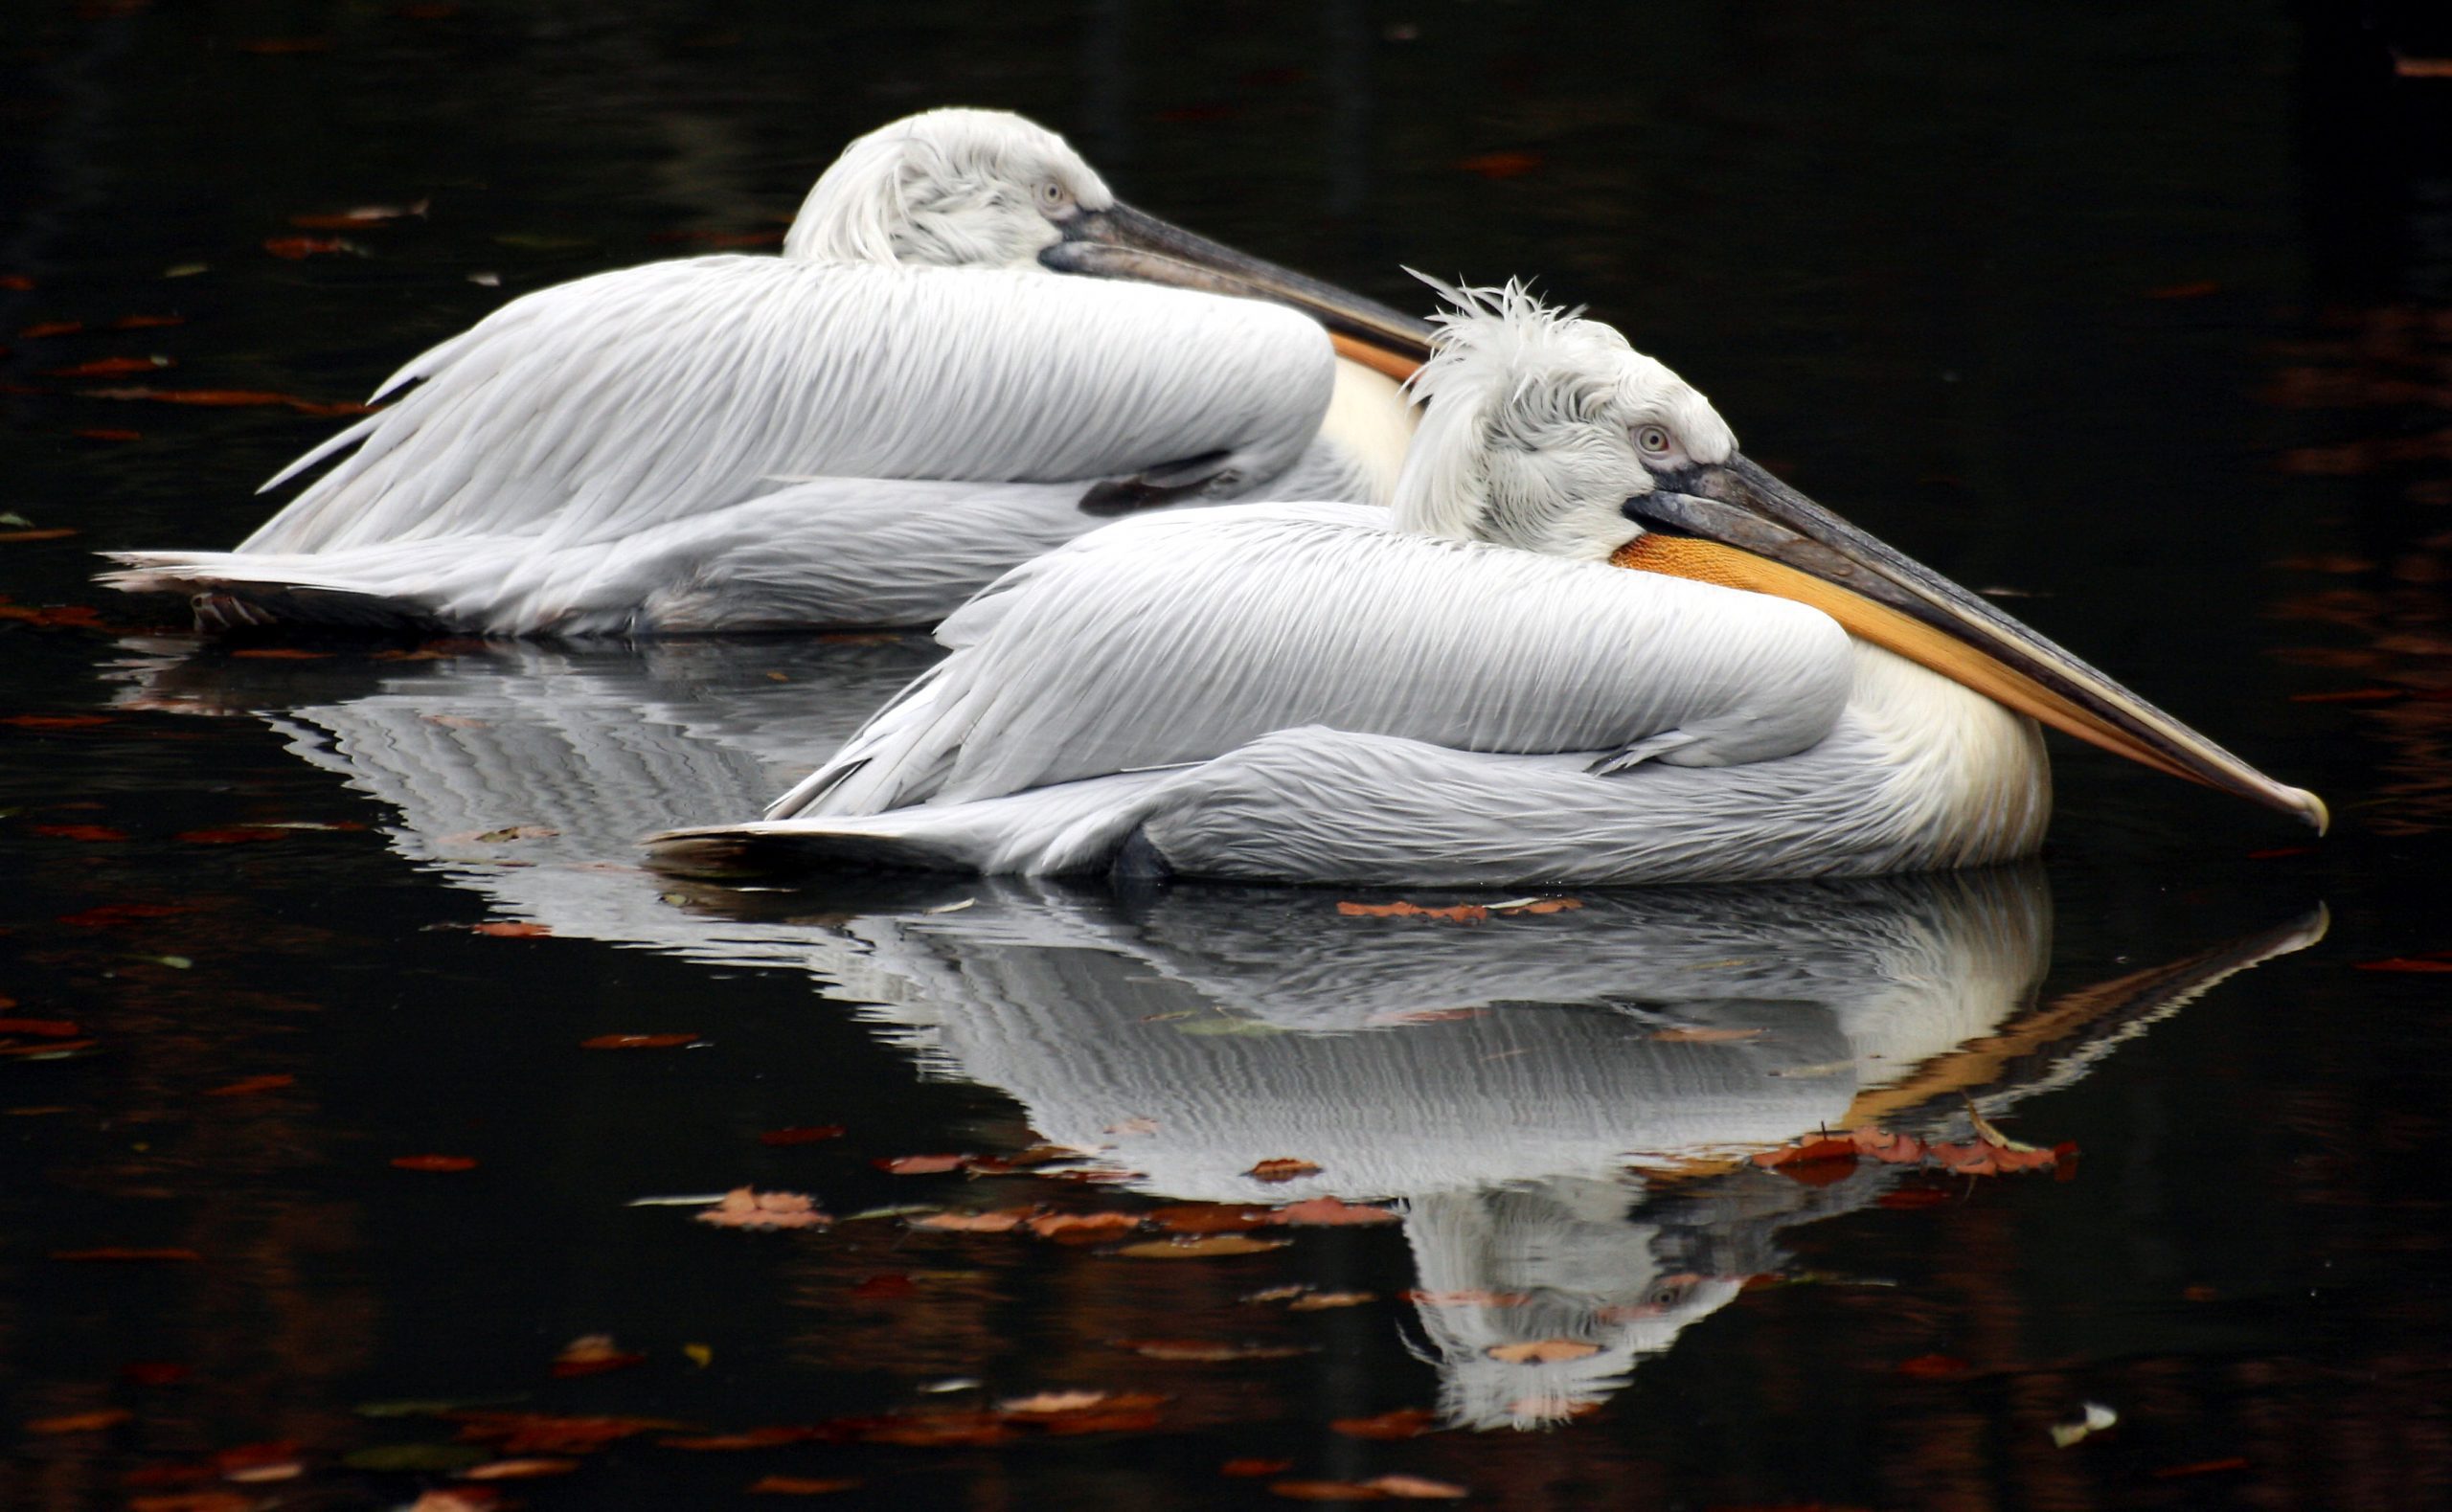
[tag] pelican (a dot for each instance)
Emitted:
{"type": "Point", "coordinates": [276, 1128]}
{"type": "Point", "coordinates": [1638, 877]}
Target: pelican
{"type": "Point", "coordinates": [865, 430]}
{"type": "Point", "coordinates": [1472, 688]}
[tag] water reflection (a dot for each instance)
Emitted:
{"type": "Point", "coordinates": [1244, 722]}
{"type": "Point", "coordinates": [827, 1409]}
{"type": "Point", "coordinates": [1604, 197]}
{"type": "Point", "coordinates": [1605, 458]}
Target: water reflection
{"type": "Point", "coordinates": [1560, 1102]}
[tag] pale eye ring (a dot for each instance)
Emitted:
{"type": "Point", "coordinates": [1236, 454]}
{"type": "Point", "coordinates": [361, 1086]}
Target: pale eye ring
{"type": "Point", "coordinates": [1054, 196]}
{"type": "Point", "coordinates": [1652, 438]}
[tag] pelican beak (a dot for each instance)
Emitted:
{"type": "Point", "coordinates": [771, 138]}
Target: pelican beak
{"type": "Point", "coordinates": [1735, 524]}
{"type": "Point", "coordinates": [1122, 242]}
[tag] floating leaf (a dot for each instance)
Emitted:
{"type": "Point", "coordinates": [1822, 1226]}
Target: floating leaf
{"type": "Point", "coordinates": [84, 832]}
{"type": "Point", "coordinates": [1209, 1218]}
{"type": "Point", "coordinates": [518, 1469]}
{"type": "Point", "coordinates": [193, 1502]}
{"type": "Point", "coordinates": [1932, 1367]}
{"type": "Point", "coordinates": [1206, 1351]}
{"type": "Point", "coordinates": [1456, 913]}
{"type": "Point", "coordinates": [1191, 1249]}
{"type": "Point", "coordinates": [802, 1133]}
{"type": "Point", "coordinates": [53, 1029]}
{"type": "Point", "coordinates": [433, 1163]}
{"type": "Point", "coordinates": [50, 328]}
{"type": "Point", "coordinates": [1253, 1466]}
{"type": "Point", "coordinates": [2415, 964]}
{"type": "Point", "coordinates": [1404, 1422]}
{"type": "Point", "coordinates": [1500, 165]}
{"type": "Point", "coordinates": [1282, 1169]}
{"type": "Point", "coordinates": [1325, 1212]}
{"type": "Point", "coordinates": [93, 1422]}
{"type": "Point", "coordinates": [800, 1485]}
{"type": "Point", "coordinates": [546, 1434]}
{"type": "Point", "coordinates": [1003, 1220]}
{"type": "Point", "coordinates": [1544, 1351]}
{"type": "Point", "coordinates": [1321, 1301]}
{"type": "Point", "coordinates": [527, 928]}
{"type": "Point", "coordinates": [744, 1208]}
{"type": "Point", "coordinates": [1090, 1225]}
{"type": "Point", "coordinates": [638, 1041]}
{"type": "Point", "coordinates": [249, 1085]}
{"type": "Point", "coordinates": [920, 1165]}
{"type": "Point", "coordinates": [236, 835]}
{"type": "Point", "coordinates": [748, 1438]}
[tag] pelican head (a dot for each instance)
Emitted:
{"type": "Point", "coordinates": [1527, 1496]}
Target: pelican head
{"type": "Point", "coordinates": [1548, 432]}
{"type": "Point", "coordinates": [963, 188]}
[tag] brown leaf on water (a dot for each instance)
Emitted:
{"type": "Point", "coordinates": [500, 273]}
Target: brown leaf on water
{"type": "Point", "coordinates": [1536, 906]}
{"type": "Point", "coordinates": [1208, 1352]}
{"type": "Point", "coordinates": [1200, 1248]}
{"type": "Point", "coordinates": [57, 533]}
{"type": "Point", "coordinates": [1283, 1168]}
{"type": "Point", "coordinates": [1891, 1149]}
{"type": "Point", "coordinates": [1698, 1036]}
{"type": "Point", "coordinates": [518, 1469]}
{"type": "Point", "coordinates": [295, 248]}
{"type": "Point", "coordinates": [1003, 1220]}
{"type": "Point", "coordinates": [1084, 1225]}
{"type": "Point", "coordinates": [920, 1165]}
{"type": "Point", "coordinates": [1328, 1212]}
{"type": "Point", "coordinates": [526, 929]}
{"type": "Point", "coordinates": [1543, 1351]}
{"type": "Point", "coordinates": [962, 1430]}
{"type": "Point", "coordinates": [550, 1434]}
{"type": "Point", "coordinates": [1469, 1297]}
{"type": "Point", "coordinates": [1209, 1218]}
{"type": "Point", "coordinates": [891, 1286]}
{"type": "Point", "coordinates": [249, 1085]}
{"type": "Point", "coordinates": [433, 1163]}
{"type": "Point", "coordinates": [146, 322]}
{"type": "Point", "coordinates": [109, 367]}
{"type": "Point", "coordinates": [800, 1134]}
{"type": "Point", "coordinates": [93, 1422]}
{"type": "Point", "coordinates": [111, 1254]}
{"type": "Point", "coordinates": [56, 722]}
{"type": "Point", "coordinates": [50, 1029]}
{"type": "Point", "coordinates": [1327, 1491]}
{"type": "Point", "coordinates": [636, 1041]}
{"type": "Point", "coordinates": [1418, 1488]}
{"type": "Point", "coordinates": [1323, 1301]}
{"type": "Point", "coordinates": [746, 1438]}
{"type": "Point", "coordinates": [800, 1485]}
{"type": "Point", "coordinates": [1254, 1466]}
{"type": "Point", "coordinates": [744, 1208]}
{"type": "Point", "coordinates": [50, 328]}
{"type": "Point", "coordinates": [1455, 914]}
{"type": "Point", "coordinates": [81, 617]}
{"type": "Point", "coordinates": [1497, 166]}
{"type": "Point", "coordinates": [2406, 67]}
{"type": "Point", "coordinates": [1932, 1367]}
{"type": "Point", "coordinates": [84, 832]}
{"type": "Point", "coordinates": [1404, 1422]}
{"type": "Point", "coordinates": [235, 835]}
{"type": "Point", "coordinates": [193, 1502]}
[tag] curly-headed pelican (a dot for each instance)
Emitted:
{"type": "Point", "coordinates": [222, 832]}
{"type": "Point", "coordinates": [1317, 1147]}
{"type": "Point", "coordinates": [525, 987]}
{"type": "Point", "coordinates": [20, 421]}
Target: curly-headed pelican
{"type": "Point", "coordinates": [1472, 688]}
{"type": "Point", "coordinates": [864, 430]}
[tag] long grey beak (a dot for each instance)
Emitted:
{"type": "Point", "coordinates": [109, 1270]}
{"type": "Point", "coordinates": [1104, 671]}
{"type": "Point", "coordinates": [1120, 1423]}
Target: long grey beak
{"type": "Point", "coordinates": [1929, 619]}
{"type": "Point", "coordinates": [1122, 242]}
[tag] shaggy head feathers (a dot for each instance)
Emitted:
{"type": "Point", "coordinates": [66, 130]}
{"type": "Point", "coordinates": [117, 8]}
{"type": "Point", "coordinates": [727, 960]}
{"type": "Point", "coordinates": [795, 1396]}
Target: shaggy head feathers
{"type": "Point", "coordinates": [1530, 439]}
{"type": "Point", "coordinates": [954, 187]}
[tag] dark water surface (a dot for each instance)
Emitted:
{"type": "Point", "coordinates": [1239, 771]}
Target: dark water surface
{"type": "Point", "coordinates": [2145, 312]}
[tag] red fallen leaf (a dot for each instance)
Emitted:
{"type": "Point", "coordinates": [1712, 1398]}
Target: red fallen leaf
{"type": "Point", "coordinates": [1089, 1225]}
{"type": "Point", "coordinates": [112, 916]}
{"type": "Point", "coordinates": [1049, 1404]}
{"type": "Point", "coordinates": [920, 1165]}
{"type": "Point", "coordinates": [1456, 913]}
{"type": "Point", "coordinates": [248, 1085]}
{"type": "Point", "coordinates": [1209, 1218]}
{"type": "Point", "coordinates": [1932, 1367]}
{"type": "Point", "coordinates": [117, 1252]}
{"type": "Point", "coordinates": [2195, 290]}
{"type": "Point", "coordinates": [1321, 1301]}
{"type": "Point", "coordinates": [804, 1133]}
{"type": "Point", "coordinates": [1418, 1488]}
{"type": "Point", "coordinates": [193, 1502]}
{"type": "Point", "coordinates": [1500, 165]}
{"type": "Point", "coordinates": [800, 1485]}
{"type": "Point", "coordinates": [1912, 1197]}
{"type": "Point", "coordinates": [525, 929]}
{"type": "Point", "coordinates": [546, 1434]}
{"type": "Point", "coordinates": [146, 322]}
{"type": "Point", "coordinates": [1004, 1220]}
{"type": "Point", "coordinates": [745, 1209]}
{"type": "Point", "coordinates": [888, 1287]}
{"type": "Point", "coordinates": [93, 1422]}
{"type": "Point", "coordinates": [746, 1438]}
{"type": "Point", "coordinates": [56, 722]}
{"type": "Point", "coordinates": [2405, 964]}
{"type": "Point", "coordinates": [1543, 1351]}
{"type": "Point", "coordinates": [1538, 906]}
{"type": "Point", "coordinates": [1327, 1491]}
{"type": "Point", "coordinates": [52, 328]}
{"type": "Point", "coordinates": [53, 1029]}
{"type": "Point", "coordinates": [1255, 1467]}
{"type": "Point", "coordinates": [80, 616]}
{"type": "Point", "coordinates": [592, 1354]}
{"type": "Point", "coordinates": [518, 1469]}
{"type": "Point", "coordinates": [57, 533]}
{"type": "Point", "coordinates": [457, 1498]}
{"type": "Point", "coordinates": [109, 367]}
{"type": "Point", "coordinates": [1966, 1160]}
{"type": "Point", "coordinates": [2202, 1467]}
{"type": "Point", "coordinates": [91, 832]}
{"type": "Point", "coordinates": [1206, 1351]}
{"type": "Point", "coordinates": [1283, 1168]}
{"type": "Point", "coordinates": [295, 248]}
{"type": "Point", "coordinates": [236, 835]}
{"type": "Point", "coordinates": [1191, 1249]}
{"type": "Point", "coordinates": [1891, 1149]}
{"type": "Point", "coordinates": [433, 1163]}
{"type": "Point", "coordinates": [152, 1372]}
{"type": "Point", "coordinates": [106, 433]}
{"type": "Point", "coordinates": [1325, 1211]}
{"type": "Point", "coordinates": [1405, 1422]}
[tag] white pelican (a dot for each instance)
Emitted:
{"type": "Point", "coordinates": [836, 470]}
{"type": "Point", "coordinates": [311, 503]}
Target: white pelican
{"type": "Point", "coordinates": [863, 431]}
{"type": "Point", "coordinates": [1470, 688]}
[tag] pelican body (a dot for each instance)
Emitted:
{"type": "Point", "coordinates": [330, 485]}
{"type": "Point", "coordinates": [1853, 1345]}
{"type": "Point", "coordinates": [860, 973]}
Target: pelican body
{"type": "Point", "coordinates": [968, 352]}
{"type": "Point", "coordinates": [1473, 688]}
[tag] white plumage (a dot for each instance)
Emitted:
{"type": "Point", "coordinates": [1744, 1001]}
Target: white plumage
{"type": "Point", "coordinates": [1455, 692]}
{"type": "Point", "coordinates": [733, 442]}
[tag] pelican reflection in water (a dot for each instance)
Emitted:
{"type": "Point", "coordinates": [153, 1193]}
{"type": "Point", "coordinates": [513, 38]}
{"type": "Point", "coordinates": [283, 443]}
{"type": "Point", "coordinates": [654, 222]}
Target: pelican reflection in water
{"type": "Point", "coordinates": [913, 397]}
{"type": "Point", "coordinates": [1472, 688]}
{"type": "Point", "coordinates": [1567, 1154]}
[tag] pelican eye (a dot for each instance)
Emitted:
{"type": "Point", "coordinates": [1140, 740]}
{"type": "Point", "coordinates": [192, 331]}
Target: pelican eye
{"type": "Point", "coordinates": [1054, 196]}
{"type": "Point", "coordinates": [1652, 438]}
